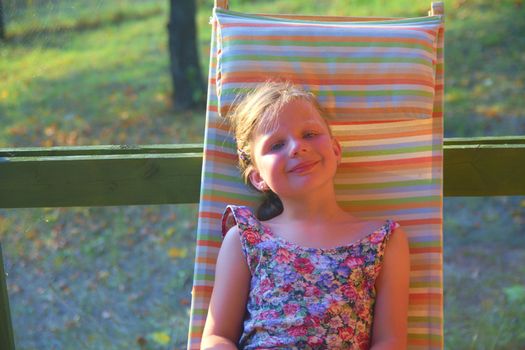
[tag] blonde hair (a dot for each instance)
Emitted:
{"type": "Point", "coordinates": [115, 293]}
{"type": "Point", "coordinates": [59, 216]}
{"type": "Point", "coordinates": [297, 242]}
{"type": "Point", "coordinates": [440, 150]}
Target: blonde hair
{"type": "Point", "coordinates": [258, 111]}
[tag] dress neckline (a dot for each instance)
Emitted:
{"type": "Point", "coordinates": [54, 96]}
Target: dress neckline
{"type": "Point", "coordinates": [338, 248]}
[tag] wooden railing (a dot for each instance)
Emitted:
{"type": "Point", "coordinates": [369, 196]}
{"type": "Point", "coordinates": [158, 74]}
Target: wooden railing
{"type": "Point", "coordinates": [171, 174]}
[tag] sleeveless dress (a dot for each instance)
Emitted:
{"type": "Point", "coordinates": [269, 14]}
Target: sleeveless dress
{"type": "Point", "coordinates": [307, 298]}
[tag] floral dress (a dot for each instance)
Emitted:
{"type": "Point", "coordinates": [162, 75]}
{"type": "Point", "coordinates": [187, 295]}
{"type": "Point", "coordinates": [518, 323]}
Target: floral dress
{"type": "Point", "coordinates": [307, 298]}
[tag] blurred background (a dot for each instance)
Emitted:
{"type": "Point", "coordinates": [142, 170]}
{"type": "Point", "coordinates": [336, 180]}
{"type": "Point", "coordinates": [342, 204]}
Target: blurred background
{"type": "Point", "coordinates": [77, 72]}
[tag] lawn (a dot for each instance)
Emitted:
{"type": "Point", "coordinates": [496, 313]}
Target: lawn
{"type": "Point", "coordinates": [82, 73]}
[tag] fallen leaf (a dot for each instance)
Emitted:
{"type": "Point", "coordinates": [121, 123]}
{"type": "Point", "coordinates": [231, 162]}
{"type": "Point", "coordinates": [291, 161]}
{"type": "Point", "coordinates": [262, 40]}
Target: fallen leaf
{"type": "Point", "coordinates": [141, 341]}
{"type": "Point", "coordinates": [170, 232]}
{"type": "Point", "coordinates": [161, 338]}
{"type": "Point", "coordinates": [31, 234]}
{"type": "Point", "coordinates": [102, 275]}
{"type": "Point", "coordinates": [176, 253]}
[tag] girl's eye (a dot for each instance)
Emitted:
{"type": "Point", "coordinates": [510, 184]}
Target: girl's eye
{"type": "Point", "coordinates": [310, 134]}
{"type": "Point", "coordinates": [276, 146]}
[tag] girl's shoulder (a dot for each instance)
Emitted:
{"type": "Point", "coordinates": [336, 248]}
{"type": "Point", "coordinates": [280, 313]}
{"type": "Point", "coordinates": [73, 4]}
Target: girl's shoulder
{"type": "Point", "coordinates": [384, 225]}
{"type": "Point", "coordinates": [240, 216]}
{"type": "Point", "coordinates": [375, 230]}
{"type": "Point", "coordinates": [387, 226]}
{"type": "Point", "coordinates": [383, 228]}
{"type": "Point", "coordinates": [373, 234]}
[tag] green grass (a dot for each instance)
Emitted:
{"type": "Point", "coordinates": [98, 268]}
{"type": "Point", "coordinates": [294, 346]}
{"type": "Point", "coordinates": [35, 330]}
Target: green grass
{"type": "Point", "coordinates": [484, 79]}
{"type": "Point", "coordinates": [81, 73]}
{"type": "Point", "coordinates": [40, 17]}
{"type": "Point", "coordinates": [484, 280]}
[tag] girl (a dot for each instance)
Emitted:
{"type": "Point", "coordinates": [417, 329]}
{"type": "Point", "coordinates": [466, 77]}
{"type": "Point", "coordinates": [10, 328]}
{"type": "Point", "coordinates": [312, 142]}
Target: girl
{"type": "Point", "coordinates": [302, 273]}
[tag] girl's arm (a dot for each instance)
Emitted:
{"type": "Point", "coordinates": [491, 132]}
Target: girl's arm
{"type": "Point", "coordinates": [391, 308]}
{"type": "Point", "coordinates": [223, 326]}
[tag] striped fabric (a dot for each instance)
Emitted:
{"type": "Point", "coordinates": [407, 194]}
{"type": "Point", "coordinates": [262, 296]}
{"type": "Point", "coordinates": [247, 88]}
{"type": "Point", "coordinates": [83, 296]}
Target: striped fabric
{"type": "Point", "coordinates": [382, 83]}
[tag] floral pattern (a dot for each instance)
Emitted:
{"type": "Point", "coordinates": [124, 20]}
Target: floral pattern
{"type": "Point", "coordinates": [307, 298]}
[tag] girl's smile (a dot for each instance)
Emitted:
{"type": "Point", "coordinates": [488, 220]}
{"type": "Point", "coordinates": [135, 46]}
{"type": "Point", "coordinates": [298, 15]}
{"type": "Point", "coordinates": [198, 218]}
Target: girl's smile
{"type": "Point", "coordinates": [303, 167]}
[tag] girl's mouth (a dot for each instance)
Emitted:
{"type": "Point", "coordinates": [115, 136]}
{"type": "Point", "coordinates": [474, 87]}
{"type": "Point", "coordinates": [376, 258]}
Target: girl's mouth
{"type": "Point", "coordinates": [303, 167]}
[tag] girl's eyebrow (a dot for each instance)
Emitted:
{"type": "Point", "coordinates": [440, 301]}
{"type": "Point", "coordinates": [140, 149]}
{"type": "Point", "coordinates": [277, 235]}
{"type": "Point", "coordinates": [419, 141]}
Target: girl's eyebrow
{"type": "Point", "coordinates": [313, 122]}
{"type": "Point", "coordinates": [271, 139]}
{"type": "Point", "coordinates": [315, 125]}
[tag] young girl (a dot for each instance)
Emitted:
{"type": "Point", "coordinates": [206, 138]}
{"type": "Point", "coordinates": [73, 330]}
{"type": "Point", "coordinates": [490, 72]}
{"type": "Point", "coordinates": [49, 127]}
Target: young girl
{"type": "Point", "coordinates": [302, 273]}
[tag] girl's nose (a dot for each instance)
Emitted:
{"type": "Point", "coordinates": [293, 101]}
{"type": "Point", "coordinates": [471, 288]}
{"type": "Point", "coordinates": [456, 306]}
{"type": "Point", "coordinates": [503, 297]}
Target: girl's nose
{"type": "Point", "coordinates": [297, 146]}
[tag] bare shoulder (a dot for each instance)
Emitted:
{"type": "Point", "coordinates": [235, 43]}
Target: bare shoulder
{"type": "Point", "coordinates": [229, 295]}
{"type": "Point", "coordinates": [397, 234]}
{"type": "Point", "coordinates": [232, 232]}
{"type": "Point", "coordinates": [231, 253]}
{"type": "Point", "coordinates": [398, 240]}
{"type": "Point", "coordinates": [397, 253]}
{"type": "Point", "coordinates": [392, 285]}
{"type": "Point", "coordinates": [231, 242]}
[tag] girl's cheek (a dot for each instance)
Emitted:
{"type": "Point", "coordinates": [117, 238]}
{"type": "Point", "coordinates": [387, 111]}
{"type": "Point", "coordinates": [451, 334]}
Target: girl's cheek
{"type": "Point", "coordinates": [269, 162]}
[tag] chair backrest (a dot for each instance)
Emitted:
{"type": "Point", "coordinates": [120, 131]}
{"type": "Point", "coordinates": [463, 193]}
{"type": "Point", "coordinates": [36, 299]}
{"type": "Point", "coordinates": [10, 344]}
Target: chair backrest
{"type": "Point", "coordinates": [381, 80]}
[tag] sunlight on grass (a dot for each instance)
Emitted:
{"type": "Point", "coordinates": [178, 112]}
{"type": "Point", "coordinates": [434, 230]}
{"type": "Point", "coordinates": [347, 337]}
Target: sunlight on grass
{"type": "Point", "coordinates": [28, 16]}
{"type": "Point", "coordinates": [43, 80]}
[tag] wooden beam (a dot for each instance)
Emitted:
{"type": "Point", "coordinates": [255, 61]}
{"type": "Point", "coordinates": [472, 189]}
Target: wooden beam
{"type": "Point", "coordinates": [171, 174]}
{"type": "Point", "coordinates": [484, 166]}
{"type": "Point", "coordinates": [98, 180]}
{"type": "Point", "coordinates": [60, 151]}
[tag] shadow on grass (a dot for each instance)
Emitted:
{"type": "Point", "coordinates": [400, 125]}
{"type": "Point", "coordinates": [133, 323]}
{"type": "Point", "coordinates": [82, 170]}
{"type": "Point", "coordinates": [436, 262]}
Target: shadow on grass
{"type": "Point", "coordinates": [100, 278]}
{"type": "Point", "coordinates": [484, 273]}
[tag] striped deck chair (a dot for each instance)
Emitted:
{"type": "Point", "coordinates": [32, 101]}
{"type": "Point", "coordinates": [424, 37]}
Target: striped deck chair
{"type": "Point", "coordinates": [381, 80]}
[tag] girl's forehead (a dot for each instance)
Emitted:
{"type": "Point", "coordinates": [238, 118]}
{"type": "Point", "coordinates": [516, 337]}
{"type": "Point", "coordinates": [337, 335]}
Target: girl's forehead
{"type": "Point", "coordinates": [287, 125]}
{"type": "Point", "coordinates": [296, 113]}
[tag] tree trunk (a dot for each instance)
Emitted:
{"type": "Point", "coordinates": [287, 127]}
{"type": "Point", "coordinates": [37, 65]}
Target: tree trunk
{"type": "Point", "coordinates": [2, 24]}
{"type": "Point", "coordinates": [188, 85]}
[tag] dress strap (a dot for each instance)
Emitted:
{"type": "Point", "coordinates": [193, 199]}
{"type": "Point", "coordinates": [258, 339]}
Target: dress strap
{"type": "Point", "coordinates": [251, 232]}
{"type": "Point", "coordinates": [378, 241]}
{"type": "Point", "coordinates": [392, 225]}
{"type": "Point", "coordinates": [240, 216]}
{"type": "Point", "coordinates": [382, 235]}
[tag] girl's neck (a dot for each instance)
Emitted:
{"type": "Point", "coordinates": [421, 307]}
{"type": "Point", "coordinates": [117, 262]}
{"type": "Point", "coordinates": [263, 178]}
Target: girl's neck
{"type": "Point", "coordinates": [311, 209]}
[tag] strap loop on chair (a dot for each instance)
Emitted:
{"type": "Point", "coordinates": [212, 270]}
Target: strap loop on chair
{"type": "Point", "coordinates": [223, 4]}
{"type": "Point", "coordinates": [436, 8]}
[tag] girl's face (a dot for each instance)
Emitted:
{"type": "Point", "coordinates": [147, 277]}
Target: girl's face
{"type": "Point", "coordinates": [298, 156]}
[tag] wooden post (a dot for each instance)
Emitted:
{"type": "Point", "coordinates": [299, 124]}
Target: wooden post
{"type": "Point", "coordinates": [437, 8]}
{"type": "Point", "coordinates": [189, 90]}
{"type": "Point", "coordinates": [7, 341]}
{"type": "Point", "coordinates": [223, 4]}
{"type": "Point", "coordinates": [2, 23]}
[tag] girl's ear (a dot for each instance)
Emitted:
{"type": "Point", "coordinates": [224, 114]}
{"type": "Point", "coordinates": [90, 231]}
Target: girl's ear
{"type": "Point", "coordinates": [257, 181]}
{"type": "Point", "coordinates": [337, 149]}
